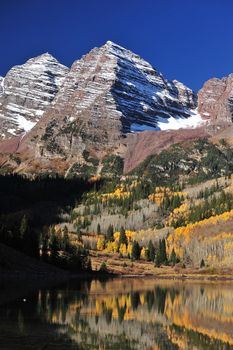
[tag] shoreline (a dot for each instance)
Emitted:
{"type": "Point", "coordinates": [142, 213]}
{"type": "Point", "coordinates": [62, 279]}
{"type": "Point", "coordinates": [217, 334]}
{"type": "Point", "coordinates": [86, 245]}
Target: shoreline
{"type": "Point", "coordinates": [66, 275]}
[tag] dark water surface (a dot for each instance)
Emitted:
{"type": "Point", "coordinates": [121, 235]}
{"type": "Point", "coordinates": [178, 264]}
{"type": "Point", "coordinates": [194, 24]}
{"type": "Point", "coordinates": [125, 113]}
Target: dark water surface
{"type": "Point", "coordinates": [119, 314]}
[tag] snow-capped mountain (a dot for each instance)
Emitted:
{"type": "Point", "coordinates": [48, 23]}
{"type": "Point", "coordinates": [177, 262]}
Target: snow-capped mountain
{"type": "Point", "coordinates": [110, 86]}
{"type": "Point", "coordinates": [108, 93]}
{"type": "Point", "coordinates": [99, 107]}
{"type": "Point", "coordinates": [26, 92]}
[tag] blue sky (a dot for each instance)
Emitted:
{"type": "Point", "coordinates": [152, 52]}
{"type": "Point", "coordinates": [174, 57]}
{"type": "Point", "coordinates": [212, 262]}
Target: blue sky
{"type": "Point", "coordinates": [187, 40]}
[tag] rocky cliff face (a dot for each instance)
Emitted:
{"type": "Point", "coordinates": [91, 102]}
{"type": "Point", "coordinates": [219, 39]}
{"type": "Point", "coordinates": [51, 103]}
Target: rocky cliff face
{"type": "Point", "coordinates": [26, 92]}
{"type": "Point", "coordinates": [1, 85]}
{"type": "Point", "coordinates": [215, 101]}
{"type": "Point", "coordinates": [108, 93]}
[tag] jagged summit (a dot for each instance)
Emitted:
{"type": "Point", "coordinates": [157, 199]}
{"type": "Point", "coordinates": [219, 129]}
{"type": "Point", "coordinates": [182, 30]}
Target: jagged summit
{"type": "Point", "coordinates": [89, 111]}
{"type": "Point", "coordinates": [107, 94]}
{"type": "Point", "coordinates": [28, 89]}
{"type": "Point", "coordinates": [44, 57]}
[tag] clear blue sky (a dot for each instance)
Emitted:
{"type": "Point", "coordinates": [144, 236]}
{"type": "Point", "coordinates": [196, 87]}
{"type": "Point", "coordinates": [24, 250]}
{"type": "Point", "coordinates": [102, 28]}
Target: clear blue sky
{"type": "Point", "coordinates": [187, 40]}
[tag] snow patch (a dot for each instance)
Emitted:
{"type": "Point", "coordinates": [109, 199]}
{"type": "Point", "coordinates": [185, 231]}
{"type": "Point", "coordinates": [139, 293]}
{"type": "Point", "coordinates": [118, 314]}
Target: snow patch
{"type": "Point", "coordinates": [11, 131]}
{"type": "Point", "coordinates": [171, 123]}
{"type": "Point", "coordinates": [180, 123]}
{"type": "Point", "coordinates": [24, 124]}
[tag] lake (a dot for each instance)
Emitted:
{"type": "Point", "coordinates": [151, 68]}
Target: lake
{"type": "Point", "coordinates": [122, 313]}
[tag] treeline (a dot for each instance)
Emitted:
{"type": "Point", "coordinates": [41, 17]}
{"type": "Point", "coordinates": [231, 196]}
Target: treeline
{"type": "Point", "coordinates": [30, 206]}
{"type": "Point", "coordinates": [57, 249]}
{"type": "Point", "coordinates": [126, 246]}
{"type": "Point", "coordinates": [18, 192]}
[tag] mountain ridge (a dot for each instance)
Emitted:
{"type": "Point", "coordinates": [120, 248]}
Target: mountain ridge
{"type": "Point", "coordinates": [105, 97]}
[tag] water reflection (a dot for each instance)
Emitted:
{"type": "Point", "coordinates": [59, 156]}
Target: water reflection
{"type": "Point", "coordinates": [122, 314]}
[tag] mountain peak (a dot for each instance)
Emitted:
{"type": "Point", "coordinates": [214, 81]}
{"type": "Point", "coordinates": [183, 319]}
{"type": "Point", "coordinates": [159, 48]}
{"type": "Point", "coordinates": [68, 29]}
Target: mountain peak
{"type": "Point", "coordinates": [118, 49]}
{"type": "Point", "coordinates": [44, 57]}
{"type": "Point", "coordinates": [26, 92]}
{"type": "Point", "coordinates": [110, 43]}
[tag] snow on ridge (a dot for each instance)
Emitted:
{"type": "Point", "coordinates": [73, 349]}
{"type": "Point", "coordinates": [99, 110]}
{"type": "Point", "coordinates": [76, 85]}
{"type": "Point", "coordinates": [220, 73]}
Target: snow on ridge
{"type": "Point", "coordinates": [171, 123]}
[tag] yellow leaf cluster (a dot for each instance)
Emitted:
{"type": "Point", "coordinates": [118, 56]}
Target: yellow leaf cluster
{"type": "Point", "coordinates": [100, 243]}
{"type": "Point", "coordinates": [178, 213]}
{"type": "Point", "coordinates": [123, 250]}
{"type": "Point", "coordinates": [129, 234]}
{"type": "Point", "coordinates": [161, 193]}
{"type": "Point", "coordinates": [143, 253]}
{"type": "Point", "coordinates": [119, 192]}
{"type": "Point", "coordinates": [183, 235]}
{"type": "Point", "coordinates": [111, 247]}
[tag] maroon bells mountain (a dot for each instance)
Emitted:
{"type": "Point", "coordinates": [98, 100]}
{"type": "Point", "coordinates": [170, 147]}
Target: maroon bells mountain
{"type": "Point", "coordinates": [109, 102]}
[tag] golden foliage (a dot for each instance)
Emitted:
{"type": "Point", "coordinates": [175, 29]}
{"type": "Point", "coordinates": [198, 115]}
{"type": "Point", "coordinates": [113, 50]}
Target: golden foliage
{"type": "Point", "coordinates": [181, 212]}
{"type": "Point", "coordinates": [182, 237]}
{"type": "Point", "coordinates": [123, 250]}
{"type": "Point", "coordinates": [101, 243]}
{"type": "Point", "coordinates": [161, 193]}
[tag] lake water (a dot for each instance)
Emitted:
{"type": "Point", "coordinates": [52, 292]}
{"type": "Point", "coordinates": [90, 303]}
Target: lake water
{"type": "Point", "coordinates": [127, 313]}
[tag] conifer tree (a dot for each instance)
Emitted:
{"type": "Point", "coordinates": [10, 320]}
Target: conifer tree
{"type": "Point", "coordinates": [98, 229]}
{"type": "Point", "coordinates": [65, 239]}
{"type": "Point", "coordinates": [173, 258]}
{"type": "Point", "coordinates": [202, 264]}
{"type": "Point", "coordinates": [151, 251]}
{"type": "Point", "coordinates": [136, 251]}
{"type": "Point", "coordinates": [23, 230]}
{"type": "Point", "coordinates": [110, 232]}
{"type": "Point", "coordinates": [123, 238]}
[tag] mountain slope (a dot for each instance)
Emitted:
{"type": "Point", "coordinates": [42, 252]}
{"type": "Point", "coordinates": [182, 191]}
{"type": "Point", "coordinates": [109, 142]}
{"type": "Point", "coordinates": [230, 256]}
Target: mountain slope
{"type": "Point", "coordinates": [26, 92]}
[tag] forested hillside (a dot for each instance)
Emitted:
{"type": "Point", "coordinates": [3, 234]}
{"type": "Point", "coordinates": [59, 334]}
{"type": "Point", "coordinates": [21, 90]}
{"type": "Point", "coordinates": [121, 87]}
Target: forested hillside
{"type": "Point", "coordinates": [173, 210]}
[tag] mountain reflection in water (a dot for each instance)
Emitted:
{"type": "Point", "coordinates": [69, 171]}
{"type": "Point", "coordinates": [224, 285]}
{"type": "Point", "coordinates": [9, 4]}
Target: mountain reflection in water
{"type": "Point", "coordinates": [123, 314]}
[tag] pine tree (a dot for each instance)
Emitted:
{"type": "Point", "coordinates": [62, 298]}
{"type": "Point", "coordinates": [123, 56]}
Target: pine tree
{"type": "Point", "coordinates": [136, 251]}
{"type": "Point", "coordinates": [161, 256]}
{"type": "Point", "coordinates": [65, 239]}
{"type": "Point", "coordinates": [110, 232]}
{"type": "Point", "coordinates": [29, 241]}
{"type": "Point", "coordinates": [23, 230]}
{"type": "Point", "coordinates": [173, 258]}
{"type": "Point", "coordinates": [202, 264]}
{"type": "Point", "coordinates": [162, 248]}
{"type": "Point", "coordinates": [98, 229]}
{"type": "Point", "coordinates": [151, 251]}
{"type": "Point", "coordinates": [123, 238]}
{"type": "Point", "coordinates": [54, 244]}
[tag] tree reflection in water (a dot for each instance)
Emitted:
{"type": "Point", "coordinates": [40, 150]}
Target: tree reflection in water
{"type": "Point", "coordinates": [122, 314]}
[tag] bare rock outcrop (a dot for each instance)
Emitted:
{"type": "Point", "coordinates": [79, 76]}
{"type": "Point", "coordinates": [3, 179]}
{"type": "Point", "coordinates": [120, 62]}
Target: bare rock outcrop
{"type": "Point", "coordinates": [215, 101]}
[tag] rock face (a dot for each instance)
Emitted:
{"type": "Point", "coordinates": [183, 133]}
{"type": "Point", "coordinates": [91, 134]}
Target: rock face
{"type": "Point", "coordinates": [215, 101]}
{"type": "Point", "coordinates": [26, 92]}
{"type": "Point", "coordinates": [107, 94]}
{"type": "Point", "coordinates": [1, 85]}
